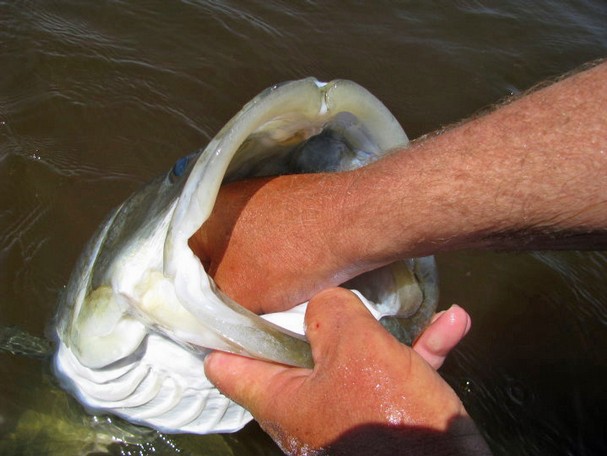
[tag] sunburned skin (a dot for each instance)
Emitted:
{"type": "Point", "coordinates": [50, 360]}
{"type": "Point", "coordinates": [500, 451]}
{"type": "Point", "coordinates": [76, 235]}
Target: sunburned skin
{"type": "Point", "coordinates": [531, 174]}
{"type": "Point", "coordinates": [309, 411]}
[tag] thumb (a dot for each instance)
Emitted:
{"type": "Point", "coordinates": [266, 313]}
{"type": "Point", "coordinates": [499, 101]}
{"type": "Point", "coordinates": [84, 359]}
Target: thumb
{"type": "Point", "coordinates": [249, 382]}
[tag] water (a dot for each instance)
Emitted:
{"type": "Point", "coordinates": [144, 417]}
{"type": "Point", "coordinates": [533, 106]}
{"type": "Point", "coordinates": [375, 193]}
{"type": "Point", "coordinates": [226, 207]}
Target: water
{"type": "Point", "coordinates": [98, 97]}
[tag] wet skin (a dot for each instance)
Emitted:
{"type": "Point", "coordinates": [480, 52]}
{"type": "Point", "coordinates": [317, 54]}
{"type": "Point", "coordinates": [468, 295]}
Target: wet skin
{"type": "Point", "coordinates": [350, 398]}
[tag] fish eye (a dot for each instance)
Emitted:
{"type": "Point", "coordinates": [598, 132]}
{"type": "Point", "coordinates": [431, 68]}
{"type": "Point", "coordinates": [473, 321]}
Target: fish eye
{"type": "Point", "coordinates": [180, 167]}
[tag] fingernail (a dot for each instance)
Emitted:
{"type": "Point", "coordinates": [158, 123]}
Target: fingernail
{"type": "Point", "coordinates": [437, 315]}
{"type": "Point", "coordinates": [459, 309]}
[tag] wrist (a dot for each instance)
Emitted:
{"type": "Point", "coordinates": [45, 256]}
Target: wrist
{"type": "Point", "coordinates": [391, 210]}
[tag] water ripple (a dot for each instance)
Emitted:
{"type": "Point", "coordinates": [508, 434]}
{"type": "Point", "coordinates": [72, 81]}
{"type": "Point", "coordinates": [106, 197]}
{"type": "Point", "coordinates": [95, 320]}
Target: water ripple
{"type": "Point", "coordinates": [583, 274]}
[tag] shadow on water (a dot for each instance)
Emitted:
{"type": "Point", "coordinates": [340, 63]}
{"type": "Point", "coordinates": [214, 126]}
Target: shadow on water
{"type": "Point", "coordinates": [98, 97]}
{"type": "Point", "coordinates": [532, 373]}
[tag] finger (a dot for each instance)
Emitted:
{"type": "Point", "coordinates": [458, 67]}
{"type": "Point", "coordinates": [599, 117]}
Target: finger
{"type": "Point", "coordinates": [444, 333]}
{"type": "Point", "coordinates": [250, 382]}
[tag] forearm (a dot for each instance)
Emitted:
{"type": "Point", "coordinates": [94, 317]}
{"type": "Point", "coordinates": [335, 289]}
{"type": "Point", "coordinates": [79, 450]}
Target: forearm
{"type": "Point", "coordinates": [531, 174]}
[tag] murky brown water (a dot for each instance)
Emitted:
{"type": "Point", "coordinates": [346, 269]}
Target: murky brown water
{"type": "Point", "coordinates": [98, 97]}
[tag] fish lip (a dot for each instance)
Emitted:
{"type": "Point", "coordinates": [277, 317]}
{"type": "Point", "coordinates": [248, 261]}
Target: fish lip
{"type": "Point", "coordinates": [213, 162]}
{"type": "Point", "coordinates": [313, 105]}
{"type": "Point", "coordinates": [309, 99]}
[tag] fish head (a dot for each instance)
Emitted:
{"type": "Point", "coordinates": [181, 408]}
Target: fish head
{"type": "Point", "coordinates": [140, 309]}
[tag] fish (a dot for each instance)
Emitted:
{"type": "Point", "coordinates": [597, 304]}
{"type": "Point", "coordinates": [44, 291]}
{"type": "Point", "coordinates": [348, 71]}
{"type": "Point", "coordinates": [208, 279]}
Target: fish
{"type": "Point", "coordinates": [140, 313]}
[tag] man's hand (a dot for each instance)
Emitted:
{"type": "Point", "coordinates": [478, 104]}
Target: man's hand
{"type": "Point", "coordinates": [365, 388]}
{"type": "Point", "coordinates": [272, 243]}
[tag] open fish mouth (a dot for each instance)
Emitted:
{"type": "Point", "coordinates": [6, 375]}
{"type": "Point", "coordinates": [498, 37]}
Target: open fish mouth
{"type": "Point", "coordinates": [140, 312]}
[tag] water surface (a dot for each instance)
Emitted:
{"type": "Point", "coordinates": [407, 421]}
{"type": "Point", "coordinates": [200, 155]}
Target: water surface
{"type": "Point", "coordinates": [98, 97]}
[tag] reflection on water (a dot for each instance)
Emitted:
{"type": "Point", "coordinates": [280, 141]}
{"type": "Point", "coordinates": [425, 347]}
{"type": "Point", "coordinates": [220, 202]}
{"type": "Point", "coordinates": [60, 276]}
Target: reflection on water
{"type": "Point", "coordinates": [96, 98]}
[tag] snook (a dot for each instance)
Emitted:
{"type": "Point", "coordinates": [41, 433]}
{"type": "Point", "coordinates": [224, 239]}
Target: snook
{"type": "Point", "coordinates": [140, 313]}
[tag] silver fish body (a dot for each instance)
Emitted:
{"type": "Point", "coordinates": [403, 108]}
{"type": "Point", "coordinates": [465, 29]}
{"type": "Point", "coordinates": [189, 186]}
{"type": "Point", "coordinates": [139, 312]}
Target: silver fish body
{"type": "Point", "coordinates": [140, 312]}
